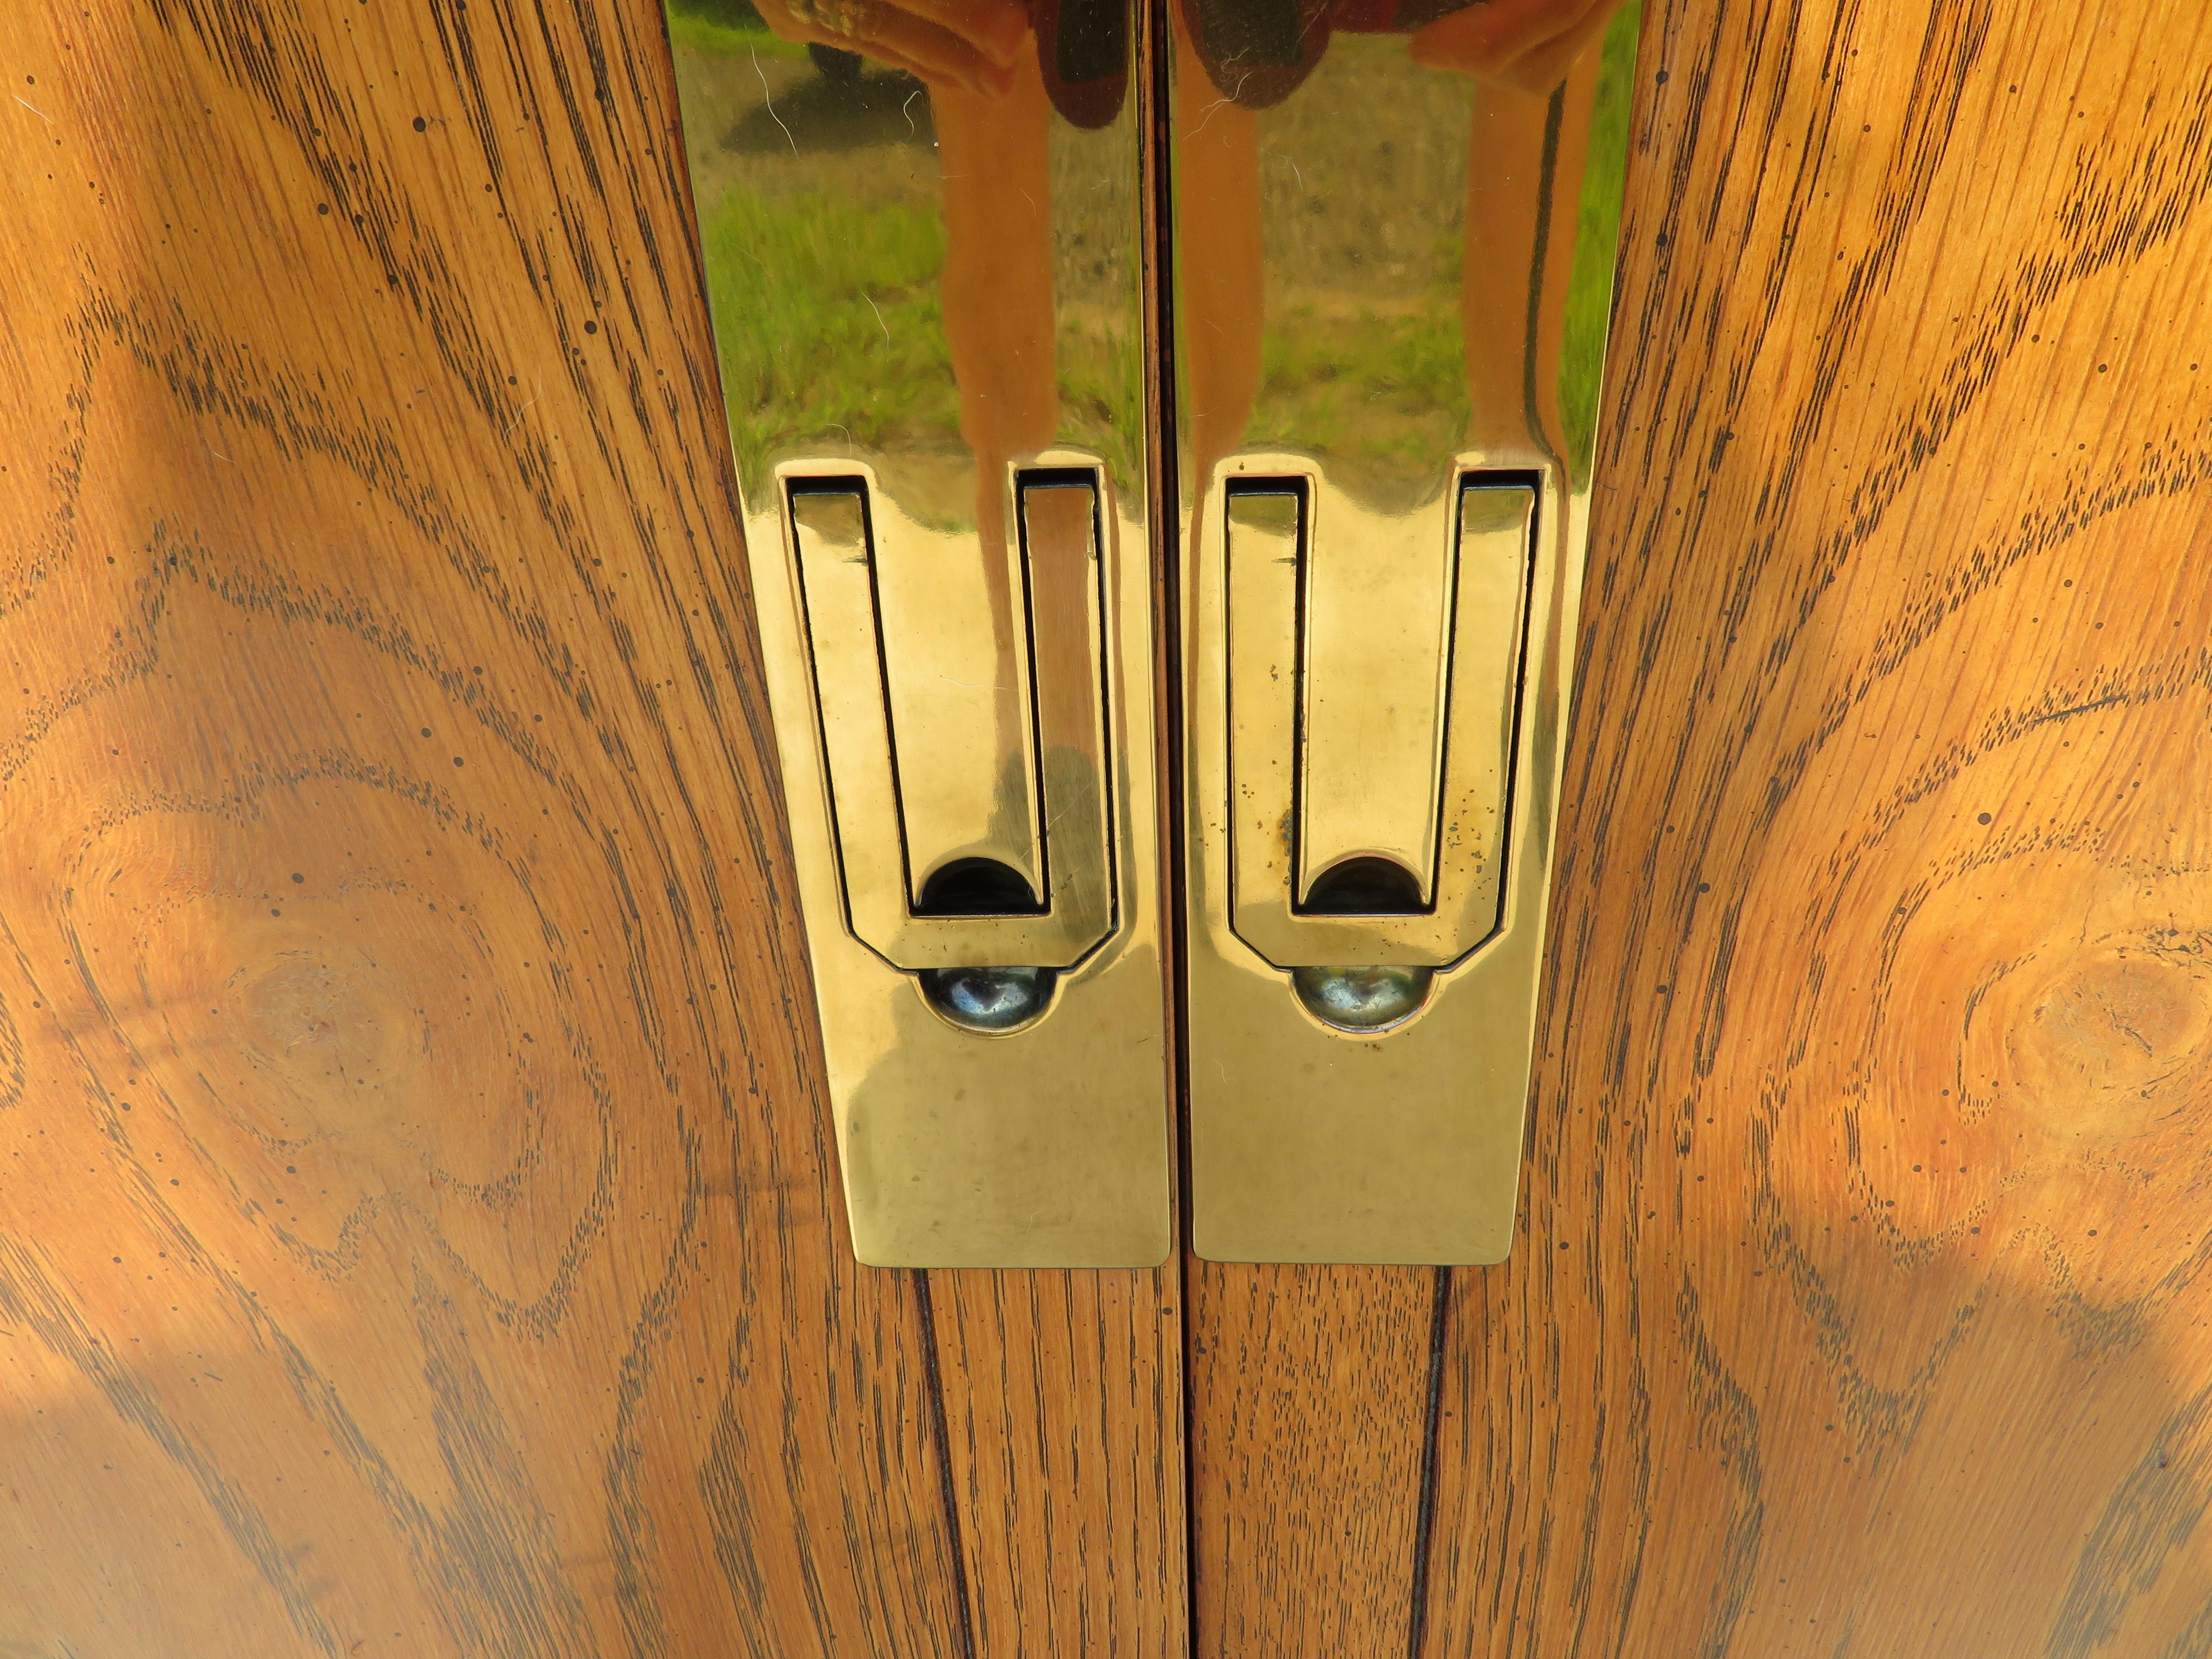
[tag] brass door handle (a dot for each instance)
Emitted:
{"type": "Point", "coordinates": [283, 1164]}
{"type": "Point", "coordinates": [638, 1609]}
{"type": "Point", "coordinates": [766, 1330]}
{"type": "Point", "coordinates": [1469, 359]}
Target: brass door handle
{"type": "Point", "coordinates": [1366, 923]}
{"type": "Point", "coordinates": [946, 522]}
{"type": "Point", "coordinates": [1373, 668]}
{"type": "Point", "coordinates": [1378, 622]}
{"type": "Point", "coordinates": [947, 755]}
{"type": "Point", "coordinates": [968, 773]}
{"type": "Point", "coordinates": [955, 318]}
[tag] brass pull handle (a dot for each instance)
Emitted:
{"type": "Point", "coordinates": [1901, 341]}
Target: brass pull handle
{"type": "Point", "coordinates": [969, 783]}
{"type": "Point", "coordinates": [1385, 758]}
{"type": "Point", "coordinates": [1379, 604]}
{"type": "Point", "coordinates": [1372, 672]}
{"type": "Point", "coordinates": [968, 776]}
{"type": "Point", "coordinates": [939, 317]}
{"type": "Point", "coordinates": [939, 426]}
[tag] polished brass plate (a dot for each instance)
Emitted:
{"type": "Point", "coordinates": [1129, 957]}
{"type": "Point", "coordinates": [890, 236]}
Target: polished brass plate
{"type": "Point", "coordinates": [1393, 241]}
{"type": "Point", "coordinates": [888, 643]}
{"type": "Point", "coordinates": [922, 251]}
{"type": "Point", "coordinates": [1373, 667]}
{"type": "Point", "coordinates": [1393, 262]}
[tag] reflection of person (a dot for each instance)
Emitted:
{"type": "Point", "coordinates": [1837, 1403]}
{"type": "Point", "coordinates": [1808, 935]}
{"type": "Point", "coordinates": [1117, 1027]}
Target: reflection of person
{"type": "Point", "coordinates": [1220, 258]}
{"type": "Point", "coordinates": [972, 44]}
{"type": "Point", "coordinates": [989, 104]}
{"type": "Point", "coordinates": [1513, 379]}
{"type": "Point", "coordinates": [1533, 44]}
{"type": "Point", "coordinates": [993, 112]}
{"type": "Point", "coordinates": [1535, 64]}
{"type": "Point", "coordinates": [998, 295]}
{"type": "Point", "coordinates": [1524, 54]}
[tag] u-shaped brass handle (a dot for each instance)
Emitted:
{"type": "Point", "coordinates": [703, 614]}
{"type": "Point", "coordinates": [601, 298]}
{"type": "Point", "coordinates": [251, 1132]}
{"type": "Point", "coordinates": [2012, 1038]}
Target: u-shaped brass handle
{"type": "Point", "coordinates": [1351, 310]}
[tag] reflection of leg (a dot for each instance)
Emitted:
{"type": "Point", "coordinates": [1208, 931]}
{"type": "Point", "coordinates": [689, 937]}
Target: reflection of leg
{"type": "Point", "coordinates": [998, 297]}
{"type": "Point", "coordinates": [995, 153]}
{"type": "Point", "coordinates": [1526, 161]}
{"type": "Point", "coordinates": [1218, 258]}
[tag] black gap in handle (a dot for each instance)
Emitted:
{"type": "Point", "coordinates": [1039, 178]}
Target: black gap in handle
{"type": "Point", "coordinates": [978, 887]}
{"type": "Point", "coordinates": [1368, 886]}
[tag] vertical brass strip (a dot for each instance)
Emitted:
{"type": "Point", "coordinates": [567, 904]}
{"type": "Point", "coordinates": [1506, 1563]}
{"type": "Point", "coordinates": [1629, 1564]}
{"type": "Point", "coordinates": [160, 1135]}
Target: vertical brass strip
{"type": "Point", "coordinates": [1063, 584]}
{"type": "Point", "coordinates": [842, 615]}
{"type": "Point", "coordinates": [1508, 849]}
{"type": "Point", "coordinates": [1498, 521]}
{"type": "Point", "coordinates": [1374, 666]}
{"type": "Point", "coordinates": [954, 675]}
{"type": "Point", "coordinates": [1265, 538]}
{"type": "Point", "coordinates": [924, 295]}
{"type": "Point", "coordinates": [1361, 1025]}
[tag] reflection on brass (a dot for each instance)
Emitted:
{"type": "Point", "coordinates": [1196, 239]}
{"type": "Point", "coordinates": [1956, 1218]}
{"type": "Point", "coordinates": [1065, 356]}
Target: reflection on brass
{"type": "Point", "coordinates": [921, 228]}
{"type": "Point", "coordinates": [1394, 242]}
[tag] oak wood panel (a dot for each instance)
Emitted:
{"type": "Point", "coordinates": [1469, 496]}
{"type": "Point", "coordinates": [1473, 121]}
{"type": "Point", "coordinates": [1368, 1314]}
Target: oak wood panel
{"type": "Point", "coordinates": [419, 1229]}
{"type": "Point", "coordinates": [1309, 1391]}
{"type": "Point", "coordinates": [1857, 1308]}
{"type": "Point", "coordinates": [1063, 1406]}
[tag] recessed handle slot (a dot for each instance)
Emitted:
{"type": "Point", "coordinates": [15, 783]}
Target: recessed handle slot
{"type": "Point", "coordinates": [977, 887]}
{"type": "Point", "coordinates": [1364, 886]}
{"type": "Point", "coordinates": [962, 721]}
{"type": "Point", "coordinates": [1373, 701]}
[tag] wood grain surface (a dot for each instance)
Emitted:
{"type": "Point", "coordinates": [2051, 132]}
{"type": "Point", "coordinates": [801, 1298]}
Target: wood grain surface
{"type": "Point", "coordinates": [1308, 1392]}
{"type": "Point", "coordinates": [1859, 1305]}
{"type": "Point", "coordinates": [419, 1231]}
{"type": "Point", "coordinates": [418, 1226]}
{"type": "Point", "coordinates": [1063, 1413]}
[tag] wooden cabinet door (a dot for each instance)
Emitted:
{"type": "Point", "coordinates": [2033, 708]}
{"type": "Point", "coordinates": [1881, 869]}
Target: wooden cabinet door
{"type": "Point", "coordinates": [1855, 1307]}
{"type": "Point", "coordinates": [419, 1232]}
{"type": "Point", "coordinates": [419, 1225]}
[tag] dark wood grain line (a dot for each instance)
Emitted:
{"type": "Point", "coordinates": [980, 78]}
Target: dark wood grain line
{"type": "Point", "coordinates": [1881, 639]}
{"type": "Point", "coordinates": [1062, 1404]}
{"type": "Point", "coordinates": [1163, 457]}
{"type": "Point", "coordinates": [1417, 1626]}
{"type": "Point", "coordinates": [933, 1395]}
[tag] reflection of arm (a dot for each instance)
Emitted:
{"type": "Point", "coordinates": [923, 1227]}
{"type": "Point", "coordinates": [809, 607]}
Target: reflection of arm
{"type": "Point", "coordinates": [1218, 258]}
{"type": "Point", "coordinates": [996, 161]}
{"type": "Point", "coordinates": [1528, 44]}
{"type": "Point", "coordinates": [963, 43]}
{"type": "Point", "coordinates": [1513, 375]}
{"type": "Point", "coordinates": [995, 154]}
